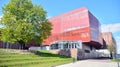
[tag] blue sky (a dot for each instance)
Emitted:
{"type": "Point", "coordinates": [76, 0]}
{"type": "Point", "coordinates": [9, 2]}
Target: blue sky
{"type": "Point", "coordinates": [106, 11]}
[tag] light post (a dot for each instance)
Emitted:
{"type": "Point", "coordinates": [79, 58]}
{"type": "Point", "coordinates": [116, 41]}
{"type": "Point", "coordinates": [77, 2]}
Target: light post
{"type": "Point", "coordinates": [118, 64]}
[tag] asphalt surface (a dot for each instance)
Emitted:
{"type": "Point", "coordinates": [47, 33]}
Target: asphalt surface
{"type": "Point", "coordinates": [92, 63]}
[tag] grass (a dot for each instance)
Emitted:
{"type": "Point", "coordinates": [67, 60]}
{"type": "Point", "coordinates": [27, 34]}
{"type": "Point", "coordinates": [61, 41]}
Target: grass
{"type": "Point", "coordinates": [116, 60]}
{"type": "Point", "coordinates": [36, 59]}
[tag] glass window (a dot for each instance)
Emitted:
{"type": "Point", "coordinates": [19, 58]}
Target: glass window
{"type": "Point", "coordinates": [87, 51]}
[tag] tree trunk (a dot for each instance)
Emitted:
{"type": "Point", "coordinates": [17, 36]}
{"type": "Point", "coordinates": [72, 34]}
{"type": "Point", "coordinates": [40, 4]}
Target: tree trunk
{"type": "Point", "coordinates": [7, 45]}
{"type": "Point", "coordinates": [111, 55]}
{"type": "Point", "coordinates": [21, 44]}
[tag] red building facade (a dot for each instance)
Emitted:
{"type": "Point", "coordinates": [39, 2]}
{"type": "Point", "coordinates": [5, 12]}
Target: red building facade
{"type": "Point", "coordinates": [78, 24]}
{"type": "Point", "coordinates": [109, 39]}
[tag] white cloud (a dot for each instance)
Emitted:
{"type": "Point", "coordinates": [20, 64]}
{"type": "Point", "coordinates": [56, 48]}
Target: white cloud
{"type": "Point", "coordinates": [0, 16]}
{"type": "Point", "coordinates": [110, 27]}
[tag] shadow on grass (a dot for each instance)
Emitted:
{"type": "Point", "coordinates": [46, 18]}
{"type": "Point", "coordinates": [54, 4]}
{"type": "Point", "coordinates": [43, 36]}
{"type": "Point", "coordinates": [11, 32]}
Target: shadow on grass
{"type": "Point", "coordinates": [48, 54]}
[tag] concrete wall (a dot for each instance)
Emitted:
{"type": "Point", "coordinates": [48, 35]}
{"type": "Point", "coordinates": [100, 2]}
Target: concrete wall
{"type": "Point", "coordinates": [104, 53]}
{"type": "Point", "coordinates": [34, 48]}
{"type": "Point", "coordinates": [66, 52]}
{"type": "Point", "coordinates": [92, 51]}
{"type": "Point", "coordinates": [80, 54]}
{"type": "Point", "coordinates": [77, 53]}
{"type": "Point", "coordinates": [39, 48]}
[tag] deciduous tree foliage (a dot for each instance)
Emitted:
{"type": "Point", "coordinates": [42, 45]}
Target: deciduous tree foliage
{"type": "Point", "coordinates": [23, 22]}
{"type": "Point", "coordinates": [112, 49]}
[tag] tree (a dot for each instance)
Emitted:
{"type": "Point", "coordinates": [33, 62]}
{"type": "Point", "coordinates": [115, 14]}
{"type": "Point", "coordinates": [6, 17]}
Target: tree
{"type": "Point", "coordinates": [24, 22]}
{"type": "Point", "coordinates": [112, 49]}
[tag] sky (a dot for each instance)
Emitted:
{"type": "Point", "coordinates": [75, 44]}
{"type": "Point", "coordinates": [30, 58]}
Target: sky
{"type": "Point", "coordinates": [106, 11]}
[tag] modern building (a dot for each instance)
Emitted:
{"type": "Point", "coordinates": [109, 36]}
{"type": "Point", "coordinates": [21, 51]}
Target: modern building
{"type": "Point", "coordinates": [75, 33]}
{"type": "Point", "coordinates": [73, 29]}
{"type": "Point", "coordinates": [109, 40]}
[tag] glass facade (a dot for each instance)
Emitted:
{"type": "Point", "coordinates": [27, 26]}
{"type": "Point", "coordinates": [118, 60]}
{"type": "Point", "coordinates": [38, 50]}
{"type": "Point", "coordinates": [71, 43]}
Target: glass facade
{"type": "Point", "coordinates": [66, 45]}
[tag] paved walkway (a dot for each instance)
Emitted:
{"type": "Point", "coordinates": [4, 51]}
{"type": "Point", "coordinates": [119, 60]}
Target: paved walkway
{"type": "Point", "coordinates": [91, 63]}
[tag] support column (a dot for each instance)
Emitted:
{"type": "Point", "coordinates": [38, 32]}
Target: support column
{"type": "Point", "coordinates": [68, 45]}
{"type": "Point", "coordinates": [61, 46]}
{"type": "Point", "coordinates": [74, 45]}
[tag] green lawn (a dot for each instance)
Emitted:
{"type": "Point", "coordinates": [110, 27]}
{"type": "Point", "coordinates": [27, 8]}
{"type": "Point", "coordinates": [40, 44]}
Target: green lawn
{"type": "Point", "coordinates": [38, 59]}
{"type": "Point", "coordinates": [117, 60]}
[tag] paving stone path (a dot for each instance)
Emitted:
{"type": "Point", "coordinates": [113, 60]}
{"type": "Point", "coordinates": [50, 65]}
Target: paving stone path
{"type": "Point", "coordinates": [91, 63]}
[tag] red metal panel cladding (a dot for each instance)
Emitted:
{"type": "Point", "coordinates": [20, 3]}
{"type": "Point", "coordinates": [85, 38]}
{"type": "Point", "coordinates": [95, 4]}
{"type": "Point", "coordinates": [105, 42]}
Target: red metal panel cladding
{"type": "Point", "coordinates": [78, 24]}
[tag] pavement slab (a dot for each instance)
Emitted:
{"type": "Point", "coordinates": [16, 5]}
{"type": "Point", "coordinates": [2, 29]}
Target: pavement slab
{"type": "Point", "coordinates": [91, 63]}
